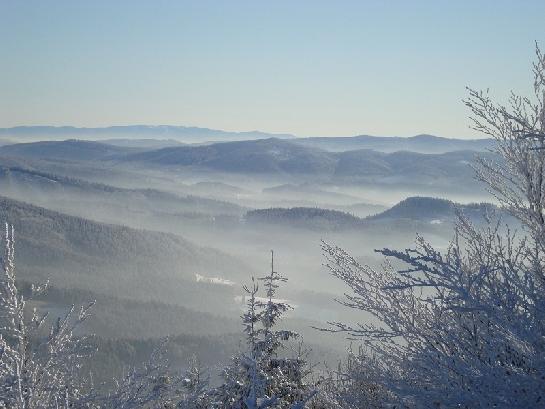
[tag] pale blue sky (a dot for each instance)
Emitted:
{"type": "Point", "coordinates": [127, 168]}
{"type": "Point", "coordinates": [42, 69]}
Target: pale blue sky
{"type": "Point", "coordinates": [305, 67]}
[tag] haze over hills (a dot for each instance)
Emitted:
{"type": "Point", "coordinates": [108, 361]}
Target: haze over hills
{"type": "Point", "coordinates": [142, 143]}
{"type": "Point", "coordinates": [272, 205]}
{"type": "Point", "coordinates": [178, 133]}
{"type": "Point", "coordinates": [146, 282]}
{"type": "Point", "coordinates": [212, 214]}
{"type": "Point", "coordinates": [275, 156]}
{"type": "Point", "coordinates": [270, 157]}
{"type": "Point", "coordinates": [26, 182]}
{"type": "Point", "coordinates": [420, 209]}
{"type": "Point", "coordinates": [419, 143]}
{"type": "Point", "coordinates": [157, 136]}
{"type": "Point", "coordinates": [116, 260]}
{"type": "Point", "coordinates": [154, 227]}
{"type": "Point", "coordinates": [70, 149]}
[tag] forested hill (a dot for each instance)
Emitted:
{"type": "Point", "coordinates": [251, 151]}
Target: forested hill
{"type": "Point", "coordinates": [418, 143]}
{"type": "Point", "coordinates": [23, 182]}
{"type": "Point", "coordinates": [309, 217]}
{"type": "Point", "coordinates": [260, 156]}
{"type": "Point", "coordinates": [429, 208]}
{"type": "Point", "coordinates": [70, 149]}
{"type": "Point", "coordinates": [263, 158]}
{"type": "Point", "coordinates": [421, 209]}
{"type": "Point", "coordinates": [277, 155]}
{"type": "Point", "coordinates": [78, 253]}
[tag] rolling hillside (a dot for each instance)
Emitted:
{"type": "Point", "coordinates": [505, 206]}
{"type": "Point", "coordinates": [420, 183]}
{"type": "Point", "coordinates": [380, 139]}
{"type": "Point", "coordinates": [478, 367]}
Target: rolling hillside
{"type": "Point", "coordinates": [266, 157]}
{"type": "Point", "coordinates": [306, 217]}
{"type": "Point", "coordinates": [424, 210]}
{"type": "Point", "coordinates": [115, 260]}
{"type": "Point", "coordinates": [418, 143]}
{"type": "Point", "coordinates": [407, 166]}
{"type": "Point", "coordinates": [71, 150]}
{"type": "Point", "coordinates": [274, 156]}
{"type": "Point", "coordinates": [429, 208]}
{"type": "Point", "coordinates": [261, 156]}
{"type": "Point", "coordinates": [31, 185]}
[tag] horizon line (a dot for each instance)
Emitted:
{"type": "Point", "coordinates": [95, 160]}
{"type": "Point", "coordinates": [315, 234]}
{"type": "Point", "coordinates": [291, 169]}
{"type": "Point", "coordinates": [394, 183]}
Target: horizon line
{"type": "Point", "coordinates": [236, 131]}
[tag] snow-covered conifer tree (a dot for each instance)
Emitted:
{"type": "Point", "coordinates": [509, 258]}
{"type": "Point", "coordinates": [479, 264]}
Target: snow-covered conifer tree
{"type": "Point", "coordinates": [261, 377]}
{"type": "Point", "coordinates": [285, 375]}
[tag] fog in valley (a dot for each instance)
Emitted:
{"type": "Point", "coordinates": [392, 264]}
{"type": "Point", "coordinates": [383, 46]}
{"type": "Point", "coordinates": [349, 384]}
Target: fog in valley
{"type": "Point", "coordinates": [163, 234]}
{"type": "Point", "coordinates": [272, 205]}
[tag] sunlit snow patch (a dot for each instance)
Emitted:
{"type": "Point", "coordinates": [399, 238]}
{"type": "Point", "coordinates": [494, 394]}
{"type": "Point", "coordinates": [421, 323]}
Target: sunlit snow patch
{"type": "Point", "coordinates": [242, 299]}
{"type": "Point", "coordinates": [213, 280]}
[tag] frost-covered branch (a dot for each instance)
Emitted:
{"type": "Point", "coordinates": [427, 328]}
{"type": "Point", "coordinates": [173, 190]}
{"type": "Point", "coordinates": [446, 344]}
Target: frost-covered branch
{"type": "Point", "coordinates": [38, 369]}
{"type": "Point", "coordinates": [465, 327]}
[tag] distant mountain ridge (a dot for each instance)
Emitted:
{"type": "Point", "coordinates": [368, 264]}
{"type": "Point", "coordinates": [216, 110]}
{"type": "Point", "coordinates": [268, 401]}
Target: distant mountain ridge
{"type": "Point", "coordinates": [172, 134]}
{"type": "Point", "coordinates": [420, 143]}
{"type": "Point", "coordinates": [283, 157]}
{"type": "Point", "coordinates": [187, 134]}
{"type": "Point", "coordinates": [270, 156]}
{"type": "Point", "coordinates": [256, 156]}
{"type": "Point", "coordinates": [70, 149]}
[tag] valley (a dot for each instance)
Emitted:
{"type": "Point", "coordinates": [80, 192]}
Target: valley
{"type": "Point", "coordinates": [164, 236]}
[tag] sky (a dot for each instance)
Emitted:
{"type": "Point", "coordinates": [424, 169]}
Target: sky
{"type": "Point", "coordinates": [323, 68]}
